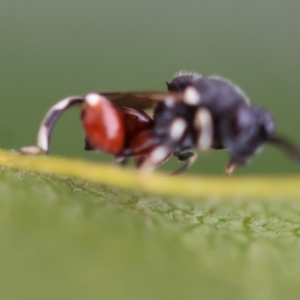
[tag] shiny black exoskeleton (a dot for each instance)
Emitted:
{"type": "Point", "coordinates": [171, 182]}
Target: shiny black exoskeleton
{"type": "Point", "coordinates": [238, 126]}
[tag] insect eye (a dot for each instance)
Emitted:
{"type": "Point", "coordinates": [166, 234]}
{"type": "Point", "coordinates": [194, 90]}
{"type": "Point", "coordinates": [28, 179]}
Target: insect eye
{"type": "Point", "coordinates": [265, 122]}
{"type": "Point", "coordinates": [268, 125]}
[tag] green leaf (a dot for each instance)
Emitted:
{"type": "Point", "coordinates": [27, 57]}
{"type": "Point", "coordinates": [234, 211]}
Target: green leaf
{"type": "Point", "coordinates": [66, 238]}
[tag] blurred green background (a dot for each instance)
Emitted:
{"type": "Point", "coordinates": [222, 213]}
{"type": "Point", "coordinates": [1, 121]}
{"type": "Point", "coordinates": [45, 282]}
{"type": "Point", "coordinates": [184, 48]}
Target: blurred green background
{"type": "Point", "coordinates": [66, 239]}
{"type": "Point", "coordinates": [52, 49]}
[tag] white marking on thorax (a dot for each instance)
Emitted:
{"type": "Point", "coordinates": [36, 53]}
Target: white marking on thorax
{"type": "Point", "coordinates": [177, 129]}
{"type": "Point", "coordinates": [203, 123]}
{"type": "Point", "coordinates": [191, 96]}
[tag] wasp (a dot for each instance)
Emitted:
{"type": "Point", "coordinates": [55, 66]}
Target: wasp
{"type": "Point", "coordinates": [196, 114]}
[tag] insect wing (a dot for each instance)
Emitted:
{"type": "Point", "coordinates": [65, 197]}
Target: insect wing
{"type": "Point", "coordinates": [141, 100]}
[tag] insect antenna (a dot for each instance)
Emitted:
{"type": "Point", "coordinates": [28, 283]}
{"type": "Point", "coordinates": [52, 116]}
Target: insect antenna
{"type": "Point", "coordinates": [290, 149]}
{"type": "Point", "coordinates": [47, 125]}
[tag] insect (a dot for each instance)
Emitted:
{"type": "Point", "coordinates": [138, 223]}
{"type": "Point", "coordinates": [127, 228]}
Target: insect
{"type": "Point", "coordinates": [196, 114]}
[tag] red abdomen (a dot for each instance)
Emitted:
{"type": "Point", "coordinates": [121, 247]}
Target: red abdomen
{"type": "Point", "coordinates": [103, 125]}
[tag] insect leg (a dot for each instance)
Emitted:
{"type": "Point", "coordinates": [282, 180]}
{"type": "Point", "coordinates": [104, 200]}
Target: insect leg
{"type": "Point", "coordinates": [189, 157]}
{"type": "Point", "coordinates": [155, 158]}
{"type": "Point", "coordinates": [230, 167]}
{"type": "Point", "coordinates": [121, 160]}
{"type": "Point", "coordinates": [87, 145]}
{"type": "Point", "coordinates": [46, 127]}
{"type": "Point", "coordinates": [183, 156]}
{"type": "Point", "coordinates": [139, 159]}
